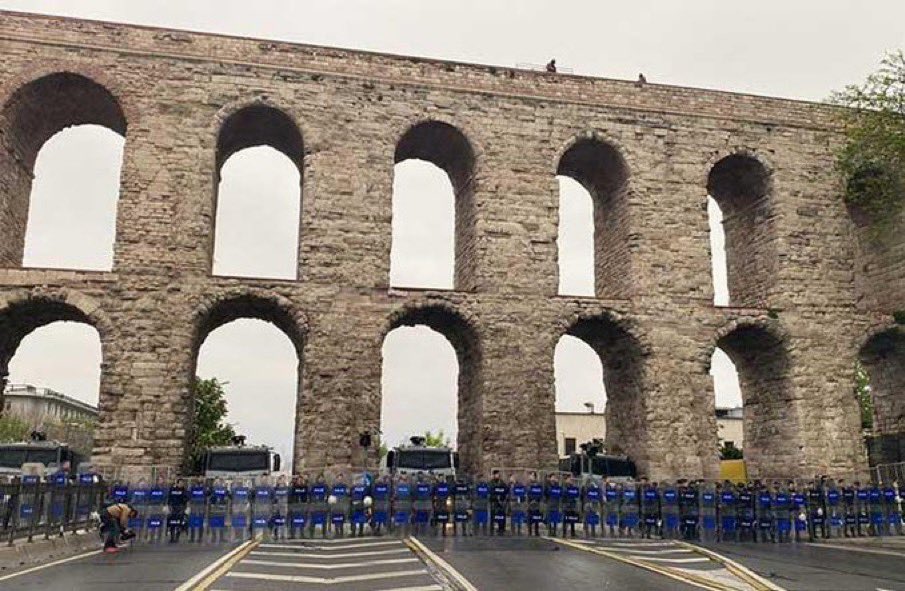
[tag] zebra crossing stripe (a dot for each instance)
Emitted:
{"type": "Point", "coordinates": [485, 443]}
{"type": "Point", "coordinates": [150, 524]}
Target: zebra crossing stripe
{"type": "Point", "coordinates": [326, 581]}
{"type": "Point", "coordinates": [670, 560]}
{"type": "Point", "coordinates": [331, 548]}
{"type": "Point", "coordinates": [322, 566]}
{"type": "Point", "coordinates": [331, 556]}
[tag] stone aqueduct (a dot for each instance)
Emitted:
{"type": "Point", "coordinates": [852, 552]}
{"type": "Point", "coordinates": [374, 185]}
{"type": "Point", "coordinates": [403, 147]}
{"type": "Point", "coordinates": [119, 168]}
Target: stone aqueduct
{"type": "Point", "coordinates": [809, 292]}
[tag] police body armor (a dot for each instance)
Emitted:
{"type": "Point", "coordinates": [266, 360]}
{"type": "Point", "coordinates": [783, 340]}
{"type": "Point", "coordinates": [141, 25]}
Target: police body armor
{"type": "Point", "coordinates": [834, 509]}
{"type": "Point", "coordinates": [670, 510]}
{"type": "Point", "coordinates": [120, 493]}
{"type": "Point", "coordinates": [892, 508]}
{"type": "Point", "coordinates": [629, 507]}
{"type": "Point", "coordinates": [747, 520]}
{"type": "Point", "coordinates": [340, 509]}
{"type": "Point", "coordinates": [708, 509]}
{"type": "Point", "coordinates": [219, 507]}
{"type": "Point", "coordinates": [402, 504]}
{"type": "Point", "coordinates": [535, 502]}
{"type": "Point", "coordinates": [240, 508]}
{"type": "Point", "coordinates": [499, 496]}
{"type": "Point", "coordinates": [800, 512]}
{"type": "Point", "coordinates": [359, 513]}
{"type": "Point", "coordinates": [380, 512]}
{"type": "Point", "coordinates": [817, 512]}
{"type": "Point", "coordinates": [862, 502]}
{"type": "Point", "coordinates": [593, 498]}
{"type": "Point", "coordinates": [318, 504]}
{"type": "Point", "coordinates": [851, 509]}
{"type": "Point", "coordinates": [728, 513]}
{"type": "Point", "coordinates": [612, 498]}
{"type": "Point", "coordinates": [157, 500]}
{"type": "Point", "coordinates": [571, 503]}
{"type": "Point", "coordinates": [423, 503]}
{"type": "Point", "coordinates": [518, 502]}
{"type": "Point", "coordinates": [139, 501]}
{"type": "Point", "coordinates": [553, 495]}
{"type": "Point", "coordinates": [461, 502]}
{"type": "Point", "coordinates": [765, 512]}
{"type": "Point", "coordinates": [263, 507]}
{"type": "Point", "coordinates": [28, 514]}
{"type": "Point", "coordinates": [782, 511]}
{"type": "Point", "coordinates": [481, 503]}
{"type": "Point", "coordinates": [650, 506]}
{"type": "Point", "coordinates": [280, 508]}
{"type": "Point", "coordinates": [197, 506]}
{"type": "Point", "coordinates": [441, 503]}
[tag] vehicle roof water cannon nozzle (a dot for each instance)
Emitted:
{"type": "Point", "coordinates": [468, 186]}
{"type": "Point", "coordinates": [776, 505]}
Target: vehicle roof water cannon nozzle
{"type": "Point", "coordinates": [239, 440]}
{"type": "Point", "coordinates": [418, 440]}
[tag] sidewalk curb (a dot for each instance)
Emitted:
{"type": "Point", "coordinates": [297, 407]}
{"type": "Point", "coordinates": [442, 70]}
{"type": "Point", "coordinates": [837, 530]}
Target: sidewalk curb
{"type": "Point", "coordinates": [26, 554]}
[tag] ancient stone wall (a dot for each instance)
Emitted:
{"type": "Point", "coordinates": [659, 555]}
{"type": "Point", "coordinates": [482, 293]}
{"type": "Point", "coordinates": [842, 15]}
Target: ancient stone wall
{"type": "Point", "coordinates": [185, 101]}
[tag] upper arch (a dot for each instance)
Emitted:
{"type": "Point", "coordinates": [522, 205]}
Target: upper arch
{"type": "Point", "coordinates": [258, 122]}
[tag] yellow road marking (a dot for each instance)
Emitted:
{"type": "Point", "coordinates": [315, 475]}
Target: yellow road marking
{"type": "Point", "coordinates": [693, 580]}
{"type": "Point", "coordinates": [737, 569]}
{"type": "Point", "coordinates": [221, 566]}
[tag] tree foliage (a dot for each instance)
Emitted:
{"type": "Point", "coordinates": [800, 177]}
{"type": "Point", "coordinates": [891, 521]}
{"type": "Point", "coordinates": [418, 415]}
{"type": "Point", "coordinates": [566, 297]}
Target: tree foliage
{"type": "Point", "coordinates": [438, 440]}
{"type": "Point", "coordinates": [730, 452]}
{"type": "Point", "coordinates": [865, 400]}
{"type": "Point", "coordinates": [872, 161]}
{"type": "Point", "coordinates": [208, 423]}
{"type": "Point", "coordinates": [12, 429]}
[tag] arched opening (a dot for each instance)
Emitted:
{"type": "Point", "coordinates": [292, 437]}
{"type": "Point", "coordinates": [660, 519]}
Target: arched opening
{"type": "Point", "coordinates": [423, 249]}
{"type": "Point", "coordinates": [50, 366]}
{"type": "Point", "coordinates": [621, 360]}
{"type": "Point", "coordinates": [419, 385]}
{"type": "Point", "coordinates": [739, 185]}
{"type": "Point", "coordinates": [575, 240]}
{"type": "Point", "coordinates": [77, 172]}
{"type": "Point", "coordinates": [728, 406]}
{"type": "Point", "coordinates": [580, 394]}
{"type": "Point", "coordinates": [254, 346]}
{"type": "Point", "coordinates": [448, 149]}
{"type": "Point", "coordinates": [770, 422]}
{"type": "Point", "coordinates": [882, 359]}
{"type": "Point", "coordinates": [425, 393]}
{"type": "Point", "coordinates": [717, 253]}
{"type": "Point", "coordinates": [602, 171]}
{"type": "Point", "coordinates": [259, 194]}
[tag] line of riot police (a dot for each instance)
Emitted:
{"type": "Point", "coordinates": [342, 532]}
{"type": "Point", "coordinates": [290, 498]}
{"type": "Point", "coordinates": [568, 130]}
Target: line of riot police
{"type": "Point", "coordinates": [517, 503]}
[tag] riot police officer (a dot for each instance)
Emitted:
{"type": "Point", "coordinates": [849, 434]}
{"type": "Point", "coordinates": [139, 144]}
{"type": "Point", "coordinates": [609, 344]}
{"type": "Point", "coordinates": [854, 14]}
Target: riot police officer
{"type": "Point", "coordinates": [553, 497]}
{"type": "Point", "coordinates": [359, 516]}
{"type": "Point", "coordinates": [782, 507]}
{"type": "Point", "coordinates": [535, 504]}
{"type": "Point", "coordinates": [340, 493]}
{"type": "Point", "coordinates": [461, 505]}
{"type": "Point", "coordinates": [817, 510]}
{"type": "Point", "coordinates": [745, 514]}
{"type": "Point", "coordinates": [629, 509]}
{"type": "Point", "coordinates": [850, 509]}
{"type": "Point", "coordinates": [380, 513]}
{"type": "Point", "coordinates": [319, 509]}
{"type": "Point", "coordinates": [764, 513]}
{"type": "Point", "coordinates": [441, 504]}
{"type": "Point", "coordinates": [197, 506]}
{"type": "Point", "coordinates": [219, 508]}
{"type": "Point", "coordinates": [650, 508]}
{"type": "Point", "coordinates": [481, 506]}
{"type": "Point", "coordinates": [862, 504]}
{"type": "Point", "coordinates": [499, 498]}
{"type": "Point", "coordinates": [571, 503]}
{"type": "Point", "coordinates": [799, 510]}
{"type": "Point", "coordinates": [835, 512]}
{"type": "Point", "coordinates": [728, 498]}
{"type": "Point", "coordinates": [177, 500]}
{"type": "Point", "coordinates": [298, 504]}
{"type": "Point", "coordinates": [671, 514]}
{"type": "Point", "coordinates": [708, 521]}
{"type": "Point", "coordinates": [593, 498]}
{"type": "Point", "coordinates": [402, 505]}
{"type": "Point", "coordinates": [518, 497]}
{"type": "Point", "coordinates": [688, 506]}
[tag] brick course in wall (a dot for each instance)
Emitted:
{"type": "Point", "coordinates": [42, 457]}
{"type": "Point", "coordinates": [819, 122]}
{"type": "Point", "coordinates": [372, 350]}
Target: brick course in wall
{"type": "Point", "coordinates": [185, 101]}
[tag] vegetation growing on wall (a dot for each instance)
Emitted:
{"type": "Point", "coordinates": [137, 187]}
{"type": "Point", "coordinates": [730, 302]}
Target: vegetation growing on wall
{"type": "Point", "coordinates": [872, 161]}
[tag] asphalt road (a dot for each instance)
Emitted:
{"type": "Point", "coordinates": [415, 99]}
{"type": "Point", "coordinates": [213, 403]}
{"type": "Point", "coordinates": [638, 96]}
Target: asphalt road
{"type": "Point", "coordinates": [498, 564]}
{"type": "Point", "coordinates": [804, 567]}
{"type": "Point", "coordinates": [489, 564]}
{"type": "Point", "coordinates": [142, 568]}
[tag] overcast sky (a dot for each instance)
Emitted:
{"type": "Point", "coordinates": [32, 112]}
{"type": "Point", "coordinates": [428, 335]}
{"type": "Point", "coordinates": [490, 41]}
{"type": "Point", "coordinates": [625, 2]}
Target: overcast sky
{"type": "Point", "coordinates": [801, 49]}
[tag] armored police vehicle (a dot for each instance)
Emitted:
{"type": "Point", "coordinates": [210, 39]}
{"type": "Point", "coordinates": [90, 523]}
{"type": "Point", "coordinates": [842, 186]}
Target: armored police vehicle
{"type": "Point", "coordinates": [591, 464]}
{"type": "Point", "coordinates": [53, 455]}
{"type": "Point", "coordinates": [239, 462]}
{"type": "Point", "coordinates": [418, 457]}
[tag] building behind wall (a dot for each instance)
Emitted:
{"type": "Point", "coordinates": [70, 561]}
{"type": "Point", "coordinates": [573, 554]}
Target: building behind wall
{"type": "Point", "coordinates": [60, 417]}
{"type": "Point", "coordinates": [575, 428]}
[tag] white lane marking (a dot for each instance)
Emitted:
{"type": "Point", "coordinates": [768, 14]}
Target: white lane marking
{"type": "Point", "coordinates": [212, 567]}
{"type": "Point", "coordinates": [651, 552]}
{"type": "Point", "coordinates": [326, 581]}
{"type": "Point", "coordinates": [49, 564]}
{"type": "Point", "coordinates": [331, 556]}
{"type": "Point", "coordinates": [638, 544]}
{"type": "Point", "coordinates": [851, 549]}
{"type": "Point", "coordinates": [444, 566]}
{"type": "Point", "coordinates": [418, 588]}
{"type": "Point", "coordinates": [670, 560]}
{"type": "Point", "coordinates": [335, 547]}
{"type": "Point", "coordinates": [329, 566]}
